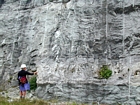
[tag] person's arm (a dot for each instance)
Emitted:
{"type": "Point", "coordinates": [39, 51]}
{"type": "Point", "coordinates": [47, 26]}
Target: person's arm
{"type": "Point", "coordinates": [28, 73]}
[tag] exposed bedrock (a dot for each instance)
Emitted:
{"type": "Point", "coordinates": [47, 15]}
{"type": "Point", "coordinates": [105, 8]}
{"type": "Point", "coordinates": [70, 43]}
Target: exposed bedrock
{"type": "Point", "coordinates": [67, 41]}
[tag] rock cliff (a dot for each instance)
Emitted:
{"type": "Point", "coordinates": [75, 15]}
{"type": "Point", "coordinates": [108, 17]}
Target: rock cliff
{"type": "Point", "coordinates": [67, 41]}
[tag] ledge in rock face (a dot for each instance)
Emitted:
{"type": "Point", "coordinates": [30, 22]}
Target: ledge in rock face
{"type": "Point", "coordinates": [127, 10]}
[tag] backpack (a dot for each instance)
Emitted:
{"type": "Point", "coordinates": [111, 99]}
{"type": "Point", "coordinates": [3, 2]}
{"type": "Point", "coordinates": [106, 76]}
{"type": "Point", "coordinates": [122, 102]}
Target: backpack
{"type": "Point", "coordinates": [23, 80]}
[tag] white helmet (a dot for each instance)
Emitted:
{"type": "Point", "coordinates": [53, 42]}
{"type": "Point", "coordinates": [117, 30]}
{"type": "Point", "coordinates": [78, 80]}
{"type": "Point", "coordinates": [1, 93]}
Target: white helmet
{"type": "Point", "coordinates": [23, 66]}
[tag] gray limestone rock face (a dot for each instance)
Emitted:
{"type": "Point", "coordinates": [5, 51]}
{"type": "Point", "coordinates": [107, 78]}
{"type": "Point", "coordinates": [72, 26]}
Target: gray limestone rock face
{"type": "Point", "coordinates": [88, 92]}
{"type": "Point", "coordinates": [68, 41]}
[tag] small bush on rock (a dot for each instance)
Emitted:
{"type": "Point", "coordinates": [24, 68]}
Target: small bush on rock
{"type": "Point", "coordinates": [105, 72]}
{"type": "Point", "coordinates": [33, 84]}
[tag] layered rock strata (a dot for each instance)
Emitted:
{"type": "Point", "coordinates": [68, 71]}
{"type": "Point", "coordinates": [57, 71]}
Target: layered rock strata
{"type": "Point", "coordinates": [67, 41]}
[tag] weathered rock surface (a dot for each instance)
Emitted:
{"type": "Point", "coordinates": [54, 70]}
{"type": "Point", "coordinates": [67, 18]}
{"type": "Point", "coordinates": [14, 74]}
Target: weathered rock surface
{"type": "Point", "coordinates": [67, 41]}
{"type": "Point", "coordinates": [88, 93]}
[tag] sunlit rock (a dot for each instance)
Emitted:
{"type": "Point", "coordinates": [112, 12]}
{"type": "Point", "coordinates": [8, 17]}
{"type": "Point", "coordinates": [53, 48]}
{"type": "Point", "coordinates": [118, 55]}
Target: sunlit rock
{"type": "Point", "coordinates": [68, 41]}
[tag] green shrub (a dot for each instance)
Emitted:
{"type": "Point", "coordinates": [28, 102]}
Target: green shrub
{"type": "Point", "coordinates": [105, 72]}
{"type": "Point", "coordinates": [74, 103]}
{"type": "Point", "coordinates": [33, 84]}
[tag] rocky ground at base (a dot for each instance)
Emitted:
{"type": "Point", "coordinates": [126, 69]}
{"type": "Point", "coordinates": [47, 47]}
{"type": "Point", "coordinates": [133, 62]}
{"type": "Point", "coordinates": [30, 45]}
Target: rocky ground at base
{"type": "Point", "coordinates": [13, 93]}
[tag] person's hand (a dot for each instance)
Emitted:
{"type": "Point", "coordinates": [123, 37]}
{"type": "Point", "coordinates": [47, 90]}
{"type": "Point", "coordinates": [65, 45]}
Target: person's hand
{"type": "Point", "coordinates": [35, 73]}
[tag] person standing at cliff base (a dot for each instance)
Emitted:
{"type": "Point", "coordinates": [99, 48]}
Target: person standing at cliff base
{"type": "Point", "coordinates": [23, 82]}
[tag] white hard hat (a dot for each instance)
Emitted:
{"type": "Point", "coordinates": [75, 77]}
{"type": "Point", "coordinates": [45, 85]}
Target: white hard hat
{"type": "Point", "coordinates": [23, 66]}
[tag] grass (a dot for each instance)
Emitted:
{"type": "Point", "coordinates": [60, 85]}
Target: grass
{"type": "Point", "coordinates": [4, 101]}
